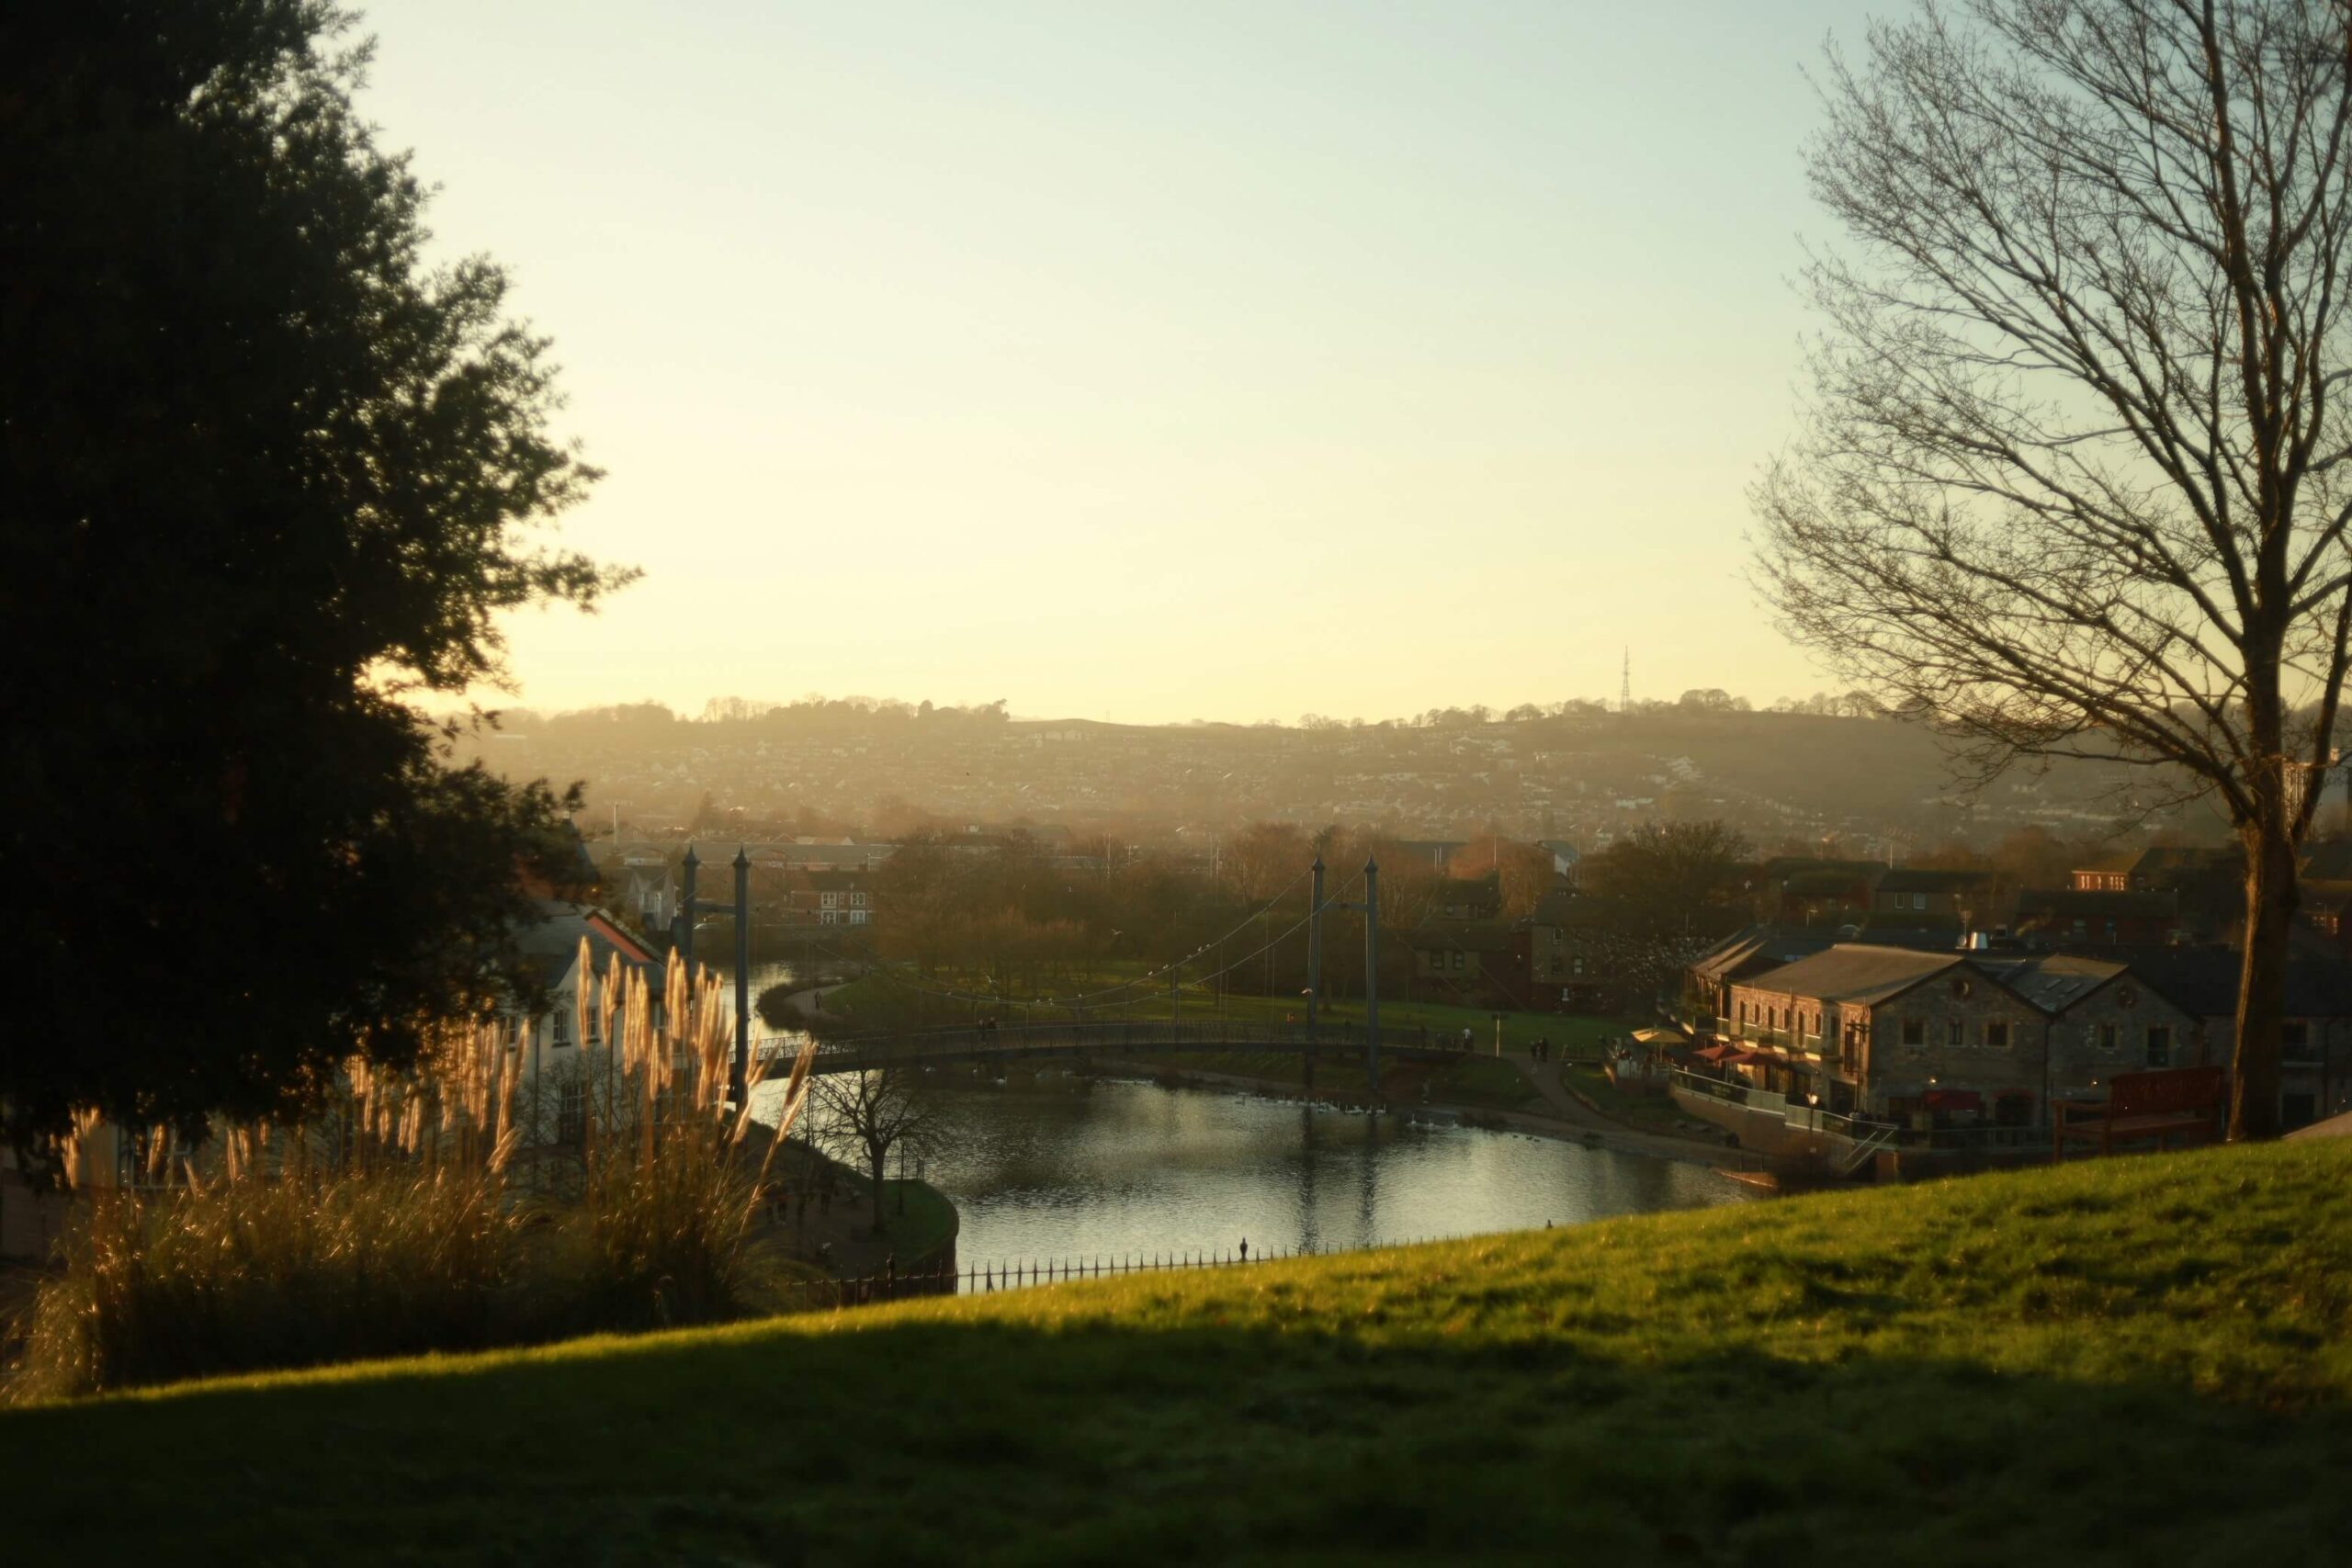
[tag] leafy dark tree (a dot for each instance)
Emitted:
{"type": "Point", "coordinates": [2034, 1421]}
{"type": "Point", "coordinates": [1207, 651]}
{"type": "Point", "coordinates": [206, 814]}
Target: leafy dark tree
{"type": "Point", "coordinates": [264, 476]}
{"type": "Point", "coordinates": [1669, 878]}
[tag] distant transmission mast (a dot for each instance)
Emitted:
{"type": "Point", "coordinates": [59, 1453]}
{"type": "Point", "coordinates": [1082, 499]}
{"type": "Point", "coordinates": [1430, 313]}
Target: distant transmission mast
{"type": "Point", "coordinates": [1625, 684]}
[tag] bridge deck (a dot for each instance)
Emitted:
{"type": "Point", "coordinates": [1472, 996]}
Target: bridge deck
{"type": "Point", "coordinates": [858, 1052]}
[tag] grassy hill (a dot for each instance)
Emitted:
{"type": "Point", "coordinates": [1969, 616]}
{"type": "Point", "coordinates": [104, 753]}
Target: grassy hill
{"type": "Point", "coordinates": [2143, 1360]}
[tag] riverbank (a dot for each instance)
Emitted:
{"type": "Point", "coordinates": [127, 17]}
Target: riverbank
{"type": "Point", "coordinates": [823, 1214]}
{"type": "Point", "coordinates": [1988, 1370]}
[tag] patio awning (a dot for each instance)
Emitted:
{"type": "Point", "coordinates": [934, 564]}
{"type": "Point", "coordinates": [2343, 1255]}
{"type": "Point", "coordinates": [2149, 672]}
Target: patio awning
{"type": "Point", "coordinates": [1954, 1100]}
{"type": "Point", "coordinates": [1712, 1052]}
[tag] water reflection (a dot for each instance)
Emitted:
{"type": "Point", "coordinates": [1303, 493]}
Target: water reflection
{"type": "Point", "coordinates": [1059, 1167]}
{"type": "Point", "coordinates": [765, 972]}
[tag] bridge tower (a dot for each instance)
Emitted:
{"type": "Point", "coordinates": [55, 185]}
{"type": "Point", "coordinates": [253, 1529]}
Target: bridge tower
{"type": "Point", "coordinates": [687, 909]}
{"type": "Point", "coordinates": [1314, 964]}
{"type": "Point", "coordinates": [1372, 975]}
{"type": "Point", "coordinates": [738, 1077]}
{"type": "Point", "coordinates": [1314, 942]}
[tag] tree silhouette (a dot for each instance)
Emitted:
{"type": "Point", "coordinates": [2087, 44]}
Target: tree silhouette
{"type": "Point", "coordinates": [2076, 474]}
{"type": "Point", "coordinates": [264, 476]}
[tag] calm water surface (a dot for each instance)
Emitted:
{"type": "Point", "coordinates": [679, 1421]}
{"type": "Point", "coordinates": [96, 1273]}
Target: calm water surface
{"type": "Point", "coordinates": [1057, 1168]}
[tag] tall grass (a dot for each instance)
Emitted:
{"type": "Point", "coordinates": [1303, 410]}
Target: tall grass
{"type": "Point", "coordinates": [424, 1211]}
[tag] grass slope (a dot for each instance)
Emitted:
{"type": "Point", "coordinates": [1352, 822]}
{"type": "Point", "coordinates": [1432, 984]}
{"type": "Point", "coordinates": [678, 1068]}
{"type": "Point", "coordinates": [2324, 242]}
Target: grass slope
{"type": "Point", "coordinates": [2140, 1360]}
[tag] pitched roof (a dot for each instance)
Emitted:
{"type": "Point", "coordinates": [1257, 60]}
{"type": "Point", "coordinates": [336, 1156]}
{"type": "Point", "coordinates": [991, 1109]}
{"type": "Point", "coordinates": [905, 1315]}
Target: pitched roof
{"type": "Point", "coordinates": [1758, 947]}
{"type": "Point", "coordinates": [2054, 981]}
{"type": "Point", "coordinates": [2328, 862]}
{"type": "Point", "coordinates": [1930, 933]}
{"type": "Point", "coordinates": [2202, 978]}
{"type": "Point", "coordinates": [551, 943]}
{"type": "Point", "coordinates": [1922, 879]}
{"type": "Point", "coordinates": [2094, 903]}
{"type": "Point", "coordinates": [1857, 972]}
{"type": "Point", "coordinates": [1780, 867]}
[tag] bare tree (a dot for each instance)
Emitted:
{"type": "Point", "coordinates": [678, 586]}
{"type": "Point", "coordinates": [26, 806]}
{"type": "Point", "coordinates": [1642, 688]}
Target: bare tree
{"type": "Point", "coordinates": [2073, 479]}
{"type": "Point", "coordinates": [878, 1110]}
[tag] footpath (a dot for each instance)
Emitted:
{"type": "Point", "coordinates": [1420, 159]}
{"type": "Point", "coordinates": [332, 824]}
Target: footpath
{"type": "Point", "coordinates": [1589, 1125]}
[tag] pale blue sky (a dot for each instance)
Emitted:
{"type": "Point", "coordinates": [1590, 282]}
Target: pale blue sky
{"type": "Point", "coordinates": [1219, 360]}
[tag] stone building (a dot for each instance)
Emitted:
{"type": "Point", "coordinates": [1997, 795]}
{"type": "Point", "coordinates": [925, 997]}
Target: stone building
{"type": "Point", "coordinates": [1894, 1034]}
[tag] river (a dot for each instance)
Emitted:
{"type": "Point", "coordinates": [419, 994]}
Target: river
{"type": "Point", "coordinates": [1059, 1167]}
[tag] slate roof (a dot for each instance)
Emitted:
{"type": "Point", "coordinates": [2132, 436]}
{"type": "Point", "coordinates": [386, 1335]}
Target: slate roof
{"type": "Point", "coordinates": [2053, 982]}
{"type": "Point", "coordinates": [1779, 868]}
{"type": "Point", "coordinates": [1911, 879]}
{"type": "Point", "coordinates": [2328, 862]}
{"type": "Point", "coordinates": [2202, 978]}
{"type": "Point", "coordinates": [1762, 946]}
{"type": "Point", "coordinates": [2094, 904]}
{"type": "Point", "coordinates": [1856, 971]}
{"type": "Point", "coordinates": [551, 943]}
{"type": "Point", "coordinates": [1928, 933]}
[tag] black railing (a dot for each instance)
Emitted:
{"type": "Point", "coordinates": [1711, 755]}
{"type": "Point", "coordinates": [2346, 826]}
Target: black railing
{"type": "Point", "coordinates": [842, 1052]}
{"type": "Point", "coordinates": [984, 1279]}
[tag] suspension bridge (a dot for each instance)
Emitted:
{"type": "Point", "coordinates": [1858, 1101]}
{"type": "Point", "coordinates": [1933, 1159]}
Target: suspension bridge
{"type": "Point", "coordinates": [990, 1041]}
{"type": "Point", "coordinates": [1115, 1038]}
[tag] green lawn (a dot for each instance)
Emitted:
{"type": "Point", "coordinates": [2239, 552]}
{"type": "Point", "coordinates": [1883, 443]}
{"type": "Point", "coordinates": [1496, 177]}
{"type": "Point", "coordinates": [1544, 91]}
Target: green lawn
{"type": "Point", "coordinates": [1651, 1113]}
{"type": "Point", "coordinates": [2138, 1360]}
{"type": "Point", "coordinates": [928, 1219]}
{"type": "Point", "coordinates": [1485, 1081]}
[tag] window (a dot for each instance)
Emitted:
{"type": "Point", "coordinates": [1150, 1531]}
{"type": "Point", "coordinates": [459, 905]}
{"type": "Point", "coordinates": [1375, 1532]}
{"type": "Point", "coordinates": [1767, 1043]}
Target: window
{"type": "Point", "coordinates": [2294, 1035]}
{"type": "Point", "coordinates": [1915, 1031]}
{"type": "Point", "coordinates": [857, 900]}
{"type": "Point", "coordinates": [2160, 1046]}
{"type": "Point", "coordinates": [2110, 1036]}
{"type": "Point", "coordinates": [562, 1021]}
{"type": "Point", "coordinates": [1578, 966]}
{"type": "Point", "coordinates": [571, 1113]}
{"type": "Point", "coordinates": [1459, 957]}
{"type": "Point", "coordinates": [831, 900]}
{"type": "Point", "coordinates": [1997, 1034]}
{"type": "Point", "coordinates": [1953, 1034]}
{"type": "Point", "coordinates": [1918, 900]}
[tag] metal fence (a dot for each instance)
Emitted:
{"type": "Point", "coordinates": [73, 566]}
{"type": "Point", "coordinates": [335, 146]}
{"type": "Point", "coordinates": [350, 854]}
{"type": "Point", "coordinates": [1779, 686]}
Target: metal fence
{"type": "Point", "coordinates": [1860, 1129]}
{"type": "Point", "coordinates": [985, 1278]}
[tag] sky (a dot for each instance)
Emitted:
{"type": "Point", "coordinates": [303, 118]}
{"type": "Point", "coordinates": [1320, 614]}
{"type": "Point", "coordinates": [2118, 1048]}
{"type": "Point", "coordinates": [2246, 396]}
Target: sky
{"type": "Point", "coordinates": [1147, 362]}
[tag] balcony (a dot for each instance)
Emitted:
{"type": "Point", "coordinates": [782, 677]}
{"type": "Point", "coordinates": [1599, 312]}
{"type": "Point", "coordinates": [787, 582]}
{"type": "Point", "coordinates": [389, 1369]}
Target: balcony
{"type": "Point", "coordinates": [1857, 1129]}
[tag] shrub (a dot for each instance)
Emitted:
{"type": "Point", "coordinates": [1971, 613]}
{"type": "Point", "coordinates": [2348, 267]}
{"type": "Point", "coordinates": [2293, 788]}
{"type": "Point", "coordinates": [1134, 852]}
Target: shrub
{"type": "Point", "coordinates": [387, 1224]}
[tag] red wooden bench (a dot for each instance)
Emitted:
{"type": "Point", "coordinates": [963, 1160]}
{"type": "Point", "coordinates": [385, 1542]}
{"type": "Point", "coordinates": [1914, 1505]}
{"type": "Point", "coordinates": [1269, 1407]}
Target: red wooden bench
{"type": "Point", "coordinates": [2177, 1102]}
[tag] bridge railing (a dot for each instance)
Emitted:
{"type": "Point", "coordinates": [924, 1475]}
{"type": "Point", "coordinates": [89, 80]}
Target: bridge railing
{"type": "Point", "coordinates": [1208, 1034]}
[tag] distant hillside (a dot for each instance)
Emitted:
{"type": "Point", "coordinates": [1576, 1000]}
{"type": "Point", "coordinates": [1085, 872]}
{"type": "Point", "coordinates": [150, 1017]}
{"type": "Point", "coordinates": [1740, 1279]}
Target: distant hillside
{"type": "Point", "coordinates": [1584, 775]}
